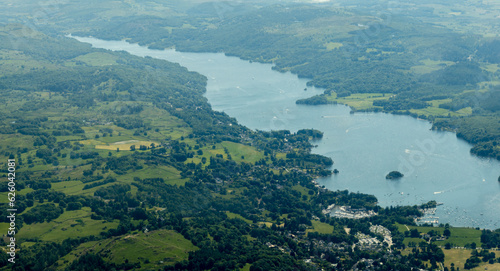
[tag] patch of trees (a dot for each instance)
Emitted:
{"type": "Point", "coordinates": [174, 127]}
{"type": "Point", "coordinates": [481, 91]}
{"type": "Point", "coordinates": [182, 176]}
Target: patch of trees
{"type": "Point", "coordinates": [490, 239]}
{"type": "Point", "coordinates": [131, 109]}
{"type": "Point", "coordinates": [42, 255]}
{"type": "Point", "coordinates": [301, 157]}
{"type": "Point", "coordinates": [401, 214]}
{"type": "Point", "coordinates": [42, 213]}
{"type": "Point", "coordinates": [475, 258]}
{"type": "Point", "coordinates": [39, 184]}
{"type": "Point", "coordinates": [72, 206]}
{"type": "Point", "coordinates": [461, 101]}
{"type": "Point", "coordinates": [43, 139]}
{"type": "Point", "coordinates": [315, 100]}
{"type": "Point", "coordinates": [91, 261]}
{"type": "Point", "coordinates": [233, 249]}
{"type": "Point", "coordinates": [489, 101]}
{"type": "Point", "coordinates": [69, 79]}
{"type": "Point", "coordinates": [489, 51]}
{"type": "Point", "coordinates": [88, 177]}
{"type": "Point", "coordinates": [96, 184]}
{"type": "Point", "coordinates": [345, 198]}
{"type": "Point", "coordinates": [188, 199]}
{"type": "Point", "coordinates": [130, 122]}
{"type": "Point", "coordinates": [29, 126]}
{"type": "Point", "coordinates": [482, 131]}
{"type": "Point", "coordinates": [120, 165]}
{"type": "Point", "coordinates": [22, 202]}
{"type": "Point", "coordinates": [487, 149]}
{"type": "Point", "coordinates": [480, 102]}
{"type": "Point", "coordinates": [394, 175]}
{"type": "Point", "coordinates": [394, 104]}
{"type": "Point", "coordinates": [315, 134]}
{"type": "Point", "coordinates": [429, 252]}
{"type": "Point", "coordinates": [45, 195]}
{"type": "Point", "coordinates": [462, 73]}
{"type": "Point", "coordinates": [45, 154]}
{"type": "Point", "coordinates": [112, 191]}
{"type": "Point", "coordinates": [84, 155]}
{"type": "Point", "coordinates": [276, 263]}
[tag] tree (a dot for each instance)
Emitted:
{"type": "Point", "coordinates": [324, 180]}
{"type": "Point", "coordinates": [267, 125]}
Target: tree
{"type": "Point", "coordinates": [89, 262]}
{"type": "Point", "coordinates": [132, 148]}
{"type": "Point", "coordinates": [73, 206]}
{"type": "Point", "coordinates": [414, 233]}
{"type": "Point", "coordinates": [139, 214]}
{"type": "Point", "coordinates": [4, 259]}
{"type": "Point", "coordinates": [394, 175]}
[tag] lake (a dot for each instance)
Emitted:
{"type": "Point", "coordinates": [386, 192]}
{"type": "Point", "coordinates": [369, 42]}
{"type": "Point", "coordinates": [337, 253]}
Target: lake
{"type": "Point", "coordinates": [364, 146]}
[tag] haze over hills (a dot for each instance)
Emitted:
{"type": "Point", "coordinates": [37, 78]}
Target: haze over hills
{"type": "Point", "coordinates": [120, 162]}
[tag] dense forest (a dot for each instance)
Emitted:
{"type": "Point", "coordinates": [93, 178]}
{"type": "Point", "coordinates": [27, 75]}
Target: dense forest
{"type": "Point", "coordinates": [121, 164]}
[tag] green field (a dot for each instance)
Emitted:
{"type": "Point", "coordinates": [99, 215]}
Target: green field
{"type": "Point", "coordinates": [459, 236]}
{"type": "Point", "coordinates": [233, 215]}
{"type": "Point", "coordinates": [4, 228]}
{"type": "Point", "coordinates": [4, 195]}
{"type": "Point", "coordinates": [364, 101]}
{"type": "Point", "coordinates": [169, 174]}
{"type": "Point", "coordinates": [124, 145]}
{"type": "Point", "coordinates": [429, 66]}
{"type": "Point", "coordinates": [459, 256]}
{"type": "Point", "coordinates": [97, 59]}
{"type": "Point", "coordinates": [239, 153]}
{"type": "Point", "coordinates": [237, 150]}
{"type": "Point", "coordinates": [152, 250]}
{"type": "Point", "coordinates": [359, 101]}
{"type": "Point", "coordinates": [71, 187]}
{"type": "Point", "coordinates": [320, 227]}
{"type": "Point", "coordinates": [333, 45]}
{"type": "Point", "coordinates": [304, 191]}
{"type": "Point", "coordinates": [440, 112]}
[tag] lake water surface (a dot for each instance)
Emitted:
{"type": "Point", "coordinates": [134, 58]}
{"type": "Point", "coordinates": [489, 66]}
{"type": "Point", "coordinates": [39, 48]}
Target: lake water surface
{"type": "Point", "coordinates": [364, 146]}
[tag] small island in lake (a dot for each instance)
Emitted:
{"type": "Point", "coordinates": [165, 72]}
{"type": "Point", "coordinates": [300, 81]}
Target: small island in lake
{"type": "Point", "coordinates": [394, 175]}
